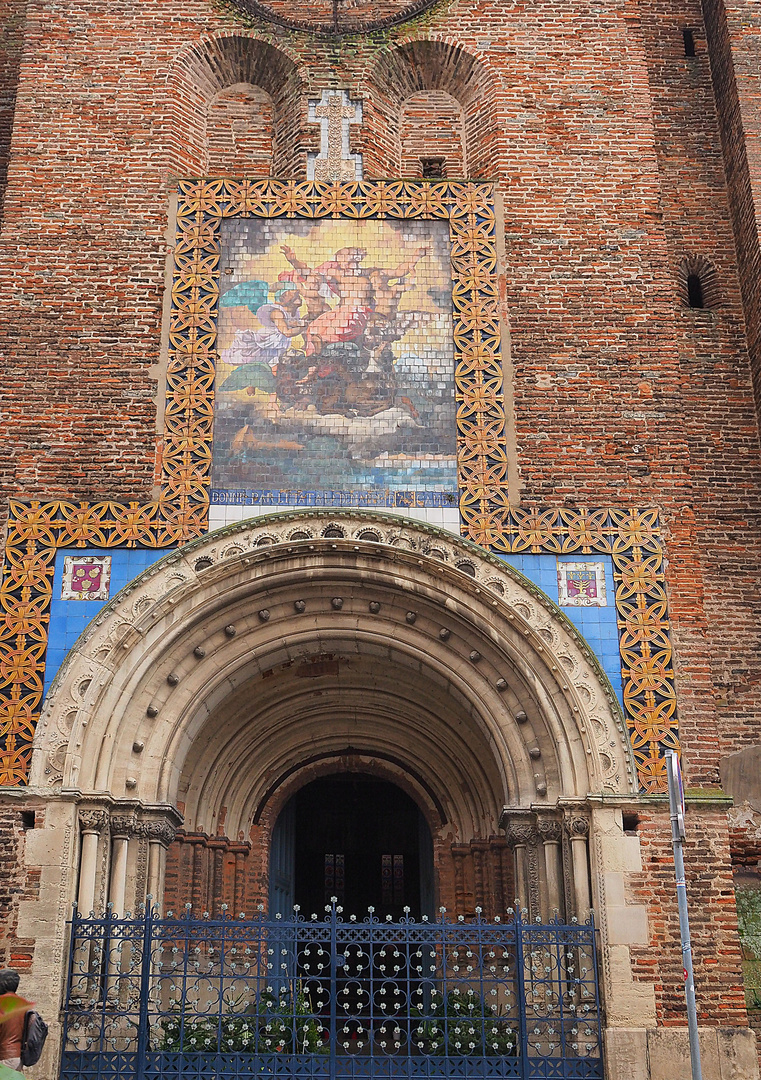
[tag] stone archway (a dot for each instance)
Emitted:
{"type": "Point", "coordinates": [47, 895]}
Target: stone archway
{"type": "Point", "coordinates": [243, 605]}
{"type": "Point", "coordinates": [257, 658]}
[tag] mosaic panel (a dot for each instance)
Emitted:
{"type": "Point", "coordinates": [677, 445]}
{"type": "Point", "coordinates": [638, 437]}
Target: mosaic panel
{"type": "Point", "coordinates": [631, 538]}
{"type": "Point", "coordinates": [402, 208]}
{"type": "Point", "coordinates": [335, 378]}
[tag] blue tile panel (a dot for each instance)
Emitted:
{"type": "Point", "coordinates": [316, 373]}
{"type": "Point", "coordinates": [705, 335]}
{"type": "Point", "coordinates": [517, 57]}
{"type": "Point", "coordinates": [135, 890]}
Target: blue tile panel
{"type": "Point", "coordinates": [597, 624]}
{"type": "Point", "coordinates": [68, 618]}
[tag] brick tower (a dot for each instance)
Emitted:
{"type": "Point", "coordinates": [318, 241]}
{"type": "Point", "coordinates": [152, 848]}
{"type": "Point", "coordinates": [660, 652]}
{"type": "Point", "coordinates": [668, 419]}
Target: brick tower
{"type": "Point", "coordinates": [380, 478]}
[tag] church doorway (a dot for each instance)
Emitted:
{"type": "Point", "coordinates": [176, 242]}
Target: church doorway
{"type": "Point", "coordinates": [361, 840]}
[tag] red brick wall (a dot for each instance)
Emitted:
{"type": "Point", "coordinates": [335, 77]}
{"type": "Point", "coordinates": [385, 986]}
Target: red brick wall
{"type": "Point", "coordinates": [11, 45]}
{"type": "Point", "coordinates": [605, 145]}
{"type": "Point", "coordinates": [432, 126]}
{"type": "Point", "coordinates": [17, 882]}
{"type": "Point", "coordinates": [713, 919]}
{"type": "Point", "coordinates": [733, 34]}
{"type": "Point", "coordinates": [239, 132]}
{"type": "Point", "coordinates": [715, 388]}
{"type": "Point", "coordinates": [607, 151]}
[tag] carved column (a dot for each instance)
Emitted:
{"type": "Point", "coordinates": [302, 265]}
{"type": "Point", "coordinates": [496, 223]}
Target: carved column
{"type": "Point", "coordinates": [197, 887]}
{"type": "Point", "coordinates": [159, 832]}
{"type": "Point", "coordinates": [122, 828]}
{"type": "Point", "coordinates": [551, 835]}
{"type": "Point", "coordinates": [478, 849]}
{"type": "Point", "coordinates": [577, 828]}
{"type": "Point", "coordinates": [240, 851]}
{"type": "Point", "coordinates": [217, 846]}
{"type": "Point", "coordinates": [92, 824]}
{"type": "Point", "coordinates": [459, 853]}
{"type": "Point", "coordinates": [501, 901]}
{"type": "Point", "coordinates": [520, 833]}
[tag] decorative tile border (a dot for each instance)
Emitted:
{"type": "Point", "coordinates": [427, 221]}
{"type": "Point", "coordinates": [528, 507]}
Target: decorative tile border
{"type": "Point", "coordinates": [38, 529]}
{"type": "Point", "coordinates": [469, 211]}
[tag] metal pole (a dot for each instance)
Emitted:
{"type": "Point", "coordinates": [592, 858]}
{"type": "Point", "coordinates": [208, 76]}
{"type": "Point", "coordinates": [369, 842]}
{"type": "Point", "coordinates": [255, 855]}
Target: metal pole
{"type": "Point", "coordinates": [676, 808]}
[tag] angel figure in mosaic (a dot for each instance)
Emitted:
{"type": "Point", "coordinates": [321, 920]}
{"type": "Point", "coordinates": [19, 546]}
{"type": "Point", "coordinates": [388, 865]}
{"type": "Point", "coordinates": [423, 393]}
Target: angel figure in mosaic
{"type": "Point", "coordinates": [255, 353]}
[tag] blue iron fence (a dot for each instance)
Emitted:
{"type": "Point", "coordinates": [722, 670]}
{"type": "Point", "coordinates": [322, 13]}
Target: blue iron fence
{"type": "Point", "coordinates": [152, 998]}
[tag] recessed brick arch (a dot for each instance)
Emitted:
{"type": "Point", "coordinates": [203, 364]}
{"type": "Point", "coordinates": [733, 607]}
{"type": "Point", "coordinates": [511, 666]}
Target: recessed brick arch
{"type": "Point", "coordinates": [410, 72]}
{"type": "Point", "coordinates": [266, 87]}
{"type": "Point", "coordinates": [432, 128]}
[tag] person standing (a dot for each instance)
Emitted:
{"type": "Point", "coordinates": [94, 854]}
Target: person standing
{"type": "Point", "coordinates": [13, 1010]}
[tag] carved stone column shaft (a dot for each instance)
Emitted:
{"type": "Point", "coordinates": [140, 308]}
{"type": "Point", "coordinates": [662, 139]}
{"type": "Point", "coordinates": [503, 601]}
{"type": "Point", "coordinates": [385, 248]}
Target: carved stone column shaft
{"type": "Point", "coordinates": [122, 828]}
{"type": "Point", "coordinates": [578, 830]}
{"type": "Point", "coordinates": [92, 825]}
{"type": "Point", "coordinates": [521, 835]}
{"type": "Point", "coordinates": [550, 832]}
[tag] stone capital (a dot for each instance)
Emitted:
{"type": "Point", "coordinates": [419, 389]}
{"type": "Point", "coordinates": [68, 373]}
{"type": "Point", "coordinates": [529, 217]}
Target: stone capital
{"type": "Point", "coordinates": [93, 820]}
{"type": "Point", "coordinates": [521, 832]}
{"type": "Point", "coordinates": [550, 830]}
{"type": "Point", "coordinates": [577, 826]}
{"type": "Point", "coordinates": [123, 824]}
{"type": "Point", "coordinates": [156, 830]}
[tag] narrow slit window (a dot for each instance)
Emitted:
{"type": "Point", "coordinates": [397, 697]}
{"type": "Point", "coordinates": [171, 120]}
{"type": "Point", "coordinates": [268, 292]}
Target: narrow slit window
{"type": "Point", "coordinates": [695, 291]}
{"type": "Point", "coordinates": [689, 42]}
{"type": "Point", "coordinates": [434, 168]}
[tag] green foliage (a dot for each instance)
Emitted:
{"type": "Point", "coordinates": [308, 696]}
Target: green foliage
{"type": "Point", "coordinates": [749, 920]}
{"type": "Point", "coordinates": [749, 926]}
{"type": "Point", "coordinates": [257, 376]}
{"type": "Point", "coordinates": [461, 1024]}
{"type": "Point", "coordinates": [283, 1025]}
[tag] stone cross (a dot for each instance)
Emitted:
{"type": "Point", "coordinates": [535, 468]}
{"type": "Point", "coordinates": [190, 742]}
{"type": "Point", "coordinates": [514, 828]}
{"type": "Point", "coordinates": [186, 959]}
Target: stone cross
{"type": "Point", "coordinates": [334, 112]}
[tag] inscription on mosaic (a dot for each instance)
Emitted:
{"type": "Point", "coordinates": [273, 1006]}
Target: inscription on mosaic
{"type": "Point", "coordinates": [335, 379]}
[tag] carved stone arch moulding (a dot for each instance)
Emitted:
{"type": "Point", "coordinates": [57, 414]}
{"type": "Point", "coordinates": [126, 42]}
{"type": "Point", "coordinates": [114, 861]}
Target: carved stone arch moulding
{"type": "Point", "coordinates": [503, 651]}
{"type": "Point", "coordinates": [38, 528]}
{"type": "Point", "coordinates": [176, 573]}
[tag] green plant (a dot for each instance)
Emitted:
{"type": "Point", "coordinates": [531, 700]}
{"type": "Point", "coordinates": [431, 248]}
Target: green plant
{"type": "Point", "coordinates": [281, 1024]}
{"type": "Point", "coordinates": [462, 1025]}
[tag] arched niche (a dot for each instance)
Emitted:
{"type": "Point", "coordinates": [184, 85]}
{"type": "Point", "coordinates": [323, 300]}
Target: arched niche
{"type": "Point", "coordinates": [432, 130]}
{"type": "Point", "coordinates": [239, 132]}
{"type": "Point", "coordinates": [234, 109]}
{"type": "Point", "coordinates": [435, 82]}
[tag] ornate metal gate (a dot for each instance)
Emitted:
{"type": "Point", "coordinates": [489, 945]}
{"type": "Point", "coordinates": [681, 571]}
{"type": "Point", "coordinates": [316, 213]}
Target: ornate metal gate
{"type": "Point", "coordinates": [152, 998]}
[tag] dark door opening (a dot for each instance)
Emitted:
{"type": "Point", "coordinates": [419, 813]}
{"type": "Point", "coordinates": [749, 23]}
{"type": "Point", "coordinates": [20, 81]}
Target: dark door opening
{"type": "Point", "coordinates": [361, 840]}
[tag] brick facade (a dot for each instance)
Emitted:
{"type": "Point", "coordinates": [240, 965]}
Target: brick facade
{"type": "Point", "coordinates": [18, 882]}
{"type": "Point", "coordinates": [608, 188]}
{"type": "Point", "coordinates": [622, 165]}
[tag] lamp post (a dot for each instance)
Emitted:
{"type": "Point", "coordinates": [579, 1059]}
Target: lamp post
{"type": "Point", "coordinates": [676, 809]}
